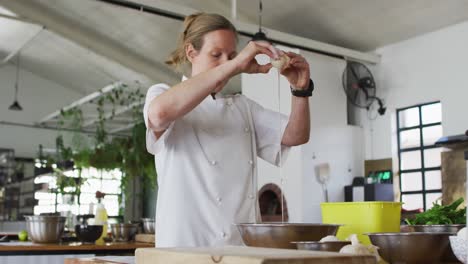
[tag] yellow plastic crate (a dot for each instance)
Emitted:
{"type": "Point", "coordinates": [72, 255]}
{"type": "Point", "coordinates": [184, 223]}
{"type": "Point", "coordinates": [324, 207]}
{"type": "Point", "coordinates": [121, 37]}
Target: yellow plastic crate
{"type": "Point", "coordinates": [362, 217]}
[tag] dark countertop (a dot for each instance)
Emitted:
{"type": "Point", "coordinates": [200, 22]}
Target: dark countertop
{"type": "Point", "coordinates": [30, 248]}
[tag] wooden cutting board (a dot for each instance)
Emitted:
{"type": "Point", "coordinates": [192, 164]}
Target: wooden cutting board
{"type": "Point", "coordinates": [144, 238]}
{"type": "Point", "coordinates": [244, 255]}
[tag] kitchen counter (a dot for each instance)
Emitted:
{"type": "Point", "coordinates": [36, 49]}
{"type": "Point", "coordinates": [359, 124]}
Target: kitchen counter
{"type": "Point", "coordinates": [30, 248]}
{"type": "Point", "coordinates": [101, 260]}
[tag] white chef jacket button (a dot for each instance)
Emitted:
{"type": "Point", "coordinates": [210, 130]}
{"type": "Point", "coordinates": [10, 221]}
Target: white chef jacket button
{"type": "Point", "coordinates": [223, 234]}
{"type": "Point", "coordinates": [219, 199]}
{"type": "Point", "coordinates": [247, 130]}
{"type": "Point", "coordinates": [251, 162]}
{"type": "Point", "coordinates": [214, 162]}
{"type": "Point", "coordinates": [251, 196]}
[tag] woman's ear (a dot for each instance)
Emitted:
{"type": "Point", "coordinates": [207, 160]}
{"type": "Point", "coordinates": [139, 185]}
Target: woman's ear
{"type": "Point", "coordinates": [190, 52]}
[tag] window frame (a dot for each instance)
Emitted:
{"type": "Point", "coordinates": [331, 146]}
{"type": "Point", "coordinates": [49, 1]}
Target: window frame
{"type": "Point", "coordinates": [100, 177]}
{"type": "Point", "coordinates": [421, 149]}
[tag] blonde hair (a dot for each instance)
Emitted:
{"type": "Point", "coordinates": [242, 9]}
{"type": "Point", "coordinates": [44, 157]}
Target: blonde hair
{"type": "Point", "coordinates": [195, 28]}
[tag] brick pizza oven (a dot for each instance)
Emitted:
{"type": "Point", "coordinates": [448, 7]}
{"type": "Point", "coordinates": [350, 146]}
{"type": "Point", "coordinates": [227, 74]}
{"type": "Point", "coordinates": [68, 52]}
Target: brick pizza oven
{"type": "Point", "coordinates": [269, 198]}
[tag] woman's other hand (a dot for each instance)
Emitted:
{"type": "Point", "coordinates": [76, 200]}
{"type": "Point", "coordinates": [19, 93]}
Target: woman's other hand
{"type": "Point", "coordinates": [297, 71]}
{"type": "Point", "coordinates": [246, 62]}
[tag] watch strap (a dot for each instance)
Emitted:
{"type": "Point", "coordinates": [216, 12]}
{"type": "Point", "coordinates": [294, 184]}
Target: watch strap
{"type": "Point", "coordinates": [303, 92]}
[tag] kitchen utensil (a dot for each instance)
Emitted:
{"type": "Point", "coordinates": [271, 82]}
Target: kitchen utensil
{"type": "Point", "coordinates": [334, 246]}
{"type": "Point", "coordinates": [412, 247]}
{"type": "Point", "coordinates": [459, 247]}
{"type": "Point", "coordinates": [145, 238]}
{"type": "Point", "coordinates": [148, 225]}
{"type": "Point", "coordinates": [322, 174]}
{"type": "Point", "coordinates": [88, 233]}
{"type": "Point", "coordinates": [44, 228]}
{"type": "Point", "coordinates": [124, 232]}
{"type": "Point", "coordinates": [280, 235]}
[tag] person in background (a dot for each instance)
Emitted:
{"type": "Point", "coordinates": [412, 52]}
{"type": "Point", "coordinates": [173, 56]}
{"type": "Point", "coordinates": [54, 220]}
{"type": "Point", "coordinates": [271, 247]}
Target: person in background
{"type": "Point", "coordinates": [206, 144]}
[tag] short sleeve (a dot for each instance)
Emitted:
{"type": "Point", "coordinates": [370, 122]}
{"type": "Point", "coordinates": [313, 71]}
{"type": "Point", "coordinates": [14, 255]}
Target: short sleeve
{"type": "Point", "coordinates": [269, 129]}
{"type": "Point", "coordinates": [153, 144]}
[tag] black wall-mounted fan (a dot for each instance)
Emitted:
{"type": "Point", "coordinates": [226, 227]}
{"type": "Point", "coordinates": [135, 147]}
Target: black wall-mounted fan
{"type": "Point", "coordinates": [359, 86]}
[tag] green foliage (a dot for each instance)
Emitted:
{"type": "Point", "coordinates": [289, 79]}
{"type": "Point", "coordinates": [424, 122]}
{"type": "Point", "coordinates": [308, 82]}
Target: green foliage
{"type": "Point", "coordinates": [64, 182]}
{"type": "Point", "coordinates": [107, 152]}
{"type": "Point", "coordinates": [441, 215]}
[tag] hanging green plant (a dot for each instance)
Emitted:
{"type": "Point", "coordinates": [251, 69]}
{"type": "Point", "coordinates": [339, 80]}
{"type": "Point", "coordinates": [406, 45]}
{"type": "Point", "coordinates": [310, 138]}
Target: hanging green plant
{"type": "Point", "coordinates": [108, 152]}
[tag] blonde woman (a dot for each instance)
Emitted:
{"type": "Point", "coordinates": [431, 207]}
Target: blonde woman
{"type": "Point", "coordinates": [206, 148]}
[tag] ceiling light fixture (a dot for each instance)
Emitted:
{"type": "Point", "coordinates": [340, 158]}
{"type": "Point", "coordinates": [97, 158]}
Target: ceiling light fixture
{"type": "Point", "coordinates": [16, 106]}
{"type": "Point", "coordinates": [260, 36]}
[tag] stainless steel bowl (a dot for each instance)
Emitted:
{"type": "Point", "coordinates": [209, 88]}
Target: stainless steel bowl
{"type": "Point", "coordinates": [448, 255]}
{"type": "Point", "coordinates": [280, 235]}
{"type": "Point", "coordinates": [148, 225]}
{"type": "Point", "coordinates": [45, 229]}
{"type": "Point", "coordinates": [334, 246]}
{"type": "Point", "coordinates": [124, 232]}
{"type": "Point", "coordinates": [412, 247]}
{"type": "Point", "coordinates": [436, 228]}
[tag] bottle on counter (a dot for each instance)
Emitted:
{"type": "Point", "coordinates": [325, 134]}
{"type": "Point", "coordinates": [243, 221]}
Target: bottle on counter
{"type": "Point", "coordinates": [100, 218]}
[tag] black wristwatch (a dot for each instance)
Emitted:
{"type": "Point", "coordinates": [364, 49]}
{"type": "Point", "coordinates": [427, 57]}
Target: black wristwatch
{"type": "Point", "coordinates": [303, 93]}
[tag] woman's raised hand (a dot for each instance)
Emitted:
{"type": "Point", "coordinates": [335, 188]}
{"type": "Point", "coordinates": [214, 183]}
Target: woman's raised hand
{"type": "Point", "coordinates": [297, 71]}
{"type": "Point", "coordinates": [246, 62]}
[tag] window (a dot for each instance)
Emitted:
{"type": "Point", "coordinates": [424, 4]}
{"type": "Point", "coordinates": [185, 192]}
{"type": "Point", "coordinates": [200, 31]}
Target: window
{"type": "Point", "coordinates": [50, 201]}
{"type": "Point", "coordinates": [419, 127]}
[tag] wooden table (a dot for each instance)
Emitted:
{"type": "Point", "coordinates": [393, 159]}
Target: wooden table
{"type": "Point", "coordinates": [98, 260]}
{"type": "Point", "coordinates": [245, 255]}
{"type": "Point", "coordinates": [29, 248]}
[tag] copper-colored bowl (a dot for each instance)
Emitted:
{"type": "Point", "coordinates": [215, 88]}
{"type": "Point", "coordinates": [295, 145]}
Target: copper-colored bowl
{"type": "Point", "coordinates": [412, 247]}
{"type": "Point", "coordinates": [280, 235]}
{"type": "Point", "coordinates": [334, 246]}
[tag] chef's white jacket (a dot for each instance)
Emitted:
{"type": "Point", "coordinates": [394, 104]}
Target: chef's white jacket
{"type": "Point", "coordinates": [206, 166]}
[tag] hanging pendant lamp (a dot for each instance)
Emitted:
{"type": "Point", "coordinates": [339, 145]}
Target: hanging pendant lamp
{"type": "Point", "coordinates": [16, 106]}
{"type": "Point", "coordinates": [260, 36]}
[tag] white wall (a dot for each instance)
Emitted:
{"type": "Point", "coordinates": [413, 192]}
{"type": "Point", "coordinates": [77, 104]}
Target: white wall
{"type": "Point", "coordinates": [263, 88]}
{"type": "Point", "coordinates": [331, 139]}
{"type": "Point", "coordinates": [38, 97]}
{"type": "Point", "coordinates": [427, 68]}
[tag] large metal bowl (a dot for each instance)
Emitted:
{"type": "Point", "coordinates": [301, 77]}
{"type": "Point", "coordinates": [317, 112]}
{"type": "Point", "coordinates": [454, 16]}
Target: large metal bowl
{"type": "Point", "coordinates": [412, 247]}
{"type": "Point", "coordinates": [448, 255]}
{"type": "Point", "coordinates": [280, 235]}
{"type": "Point", "coordinates": [436, 228]}
{"type": "Point", "coordinates": [334, 246]}
{"type": "Point", "coordinates": [148, 225]}
{"type": "Point", "coordinates": [124, 232]}
{"type": "Point", "coordinates": [45, 229]}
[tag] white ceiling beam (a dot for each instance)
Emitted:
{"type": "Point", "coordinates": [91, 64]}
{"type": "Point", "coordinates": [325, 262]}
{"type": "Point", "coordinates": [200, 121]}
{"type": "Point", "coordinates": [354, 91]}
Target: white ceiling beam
{"type": "Point", "coordinates": [20, 47]}
{"type": "Point", "coordinates": [274, 35]}
{"type": "Point", "coordinates": [123, 128]}
{"type": "Point", "coordinates": [24, 20]}
{"type": "Point", "coordinates": [82, 101]}
{"type": "Point", "coordinates": [116, 113]}
{"type": "Point", "coordinates": [93, 41]}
